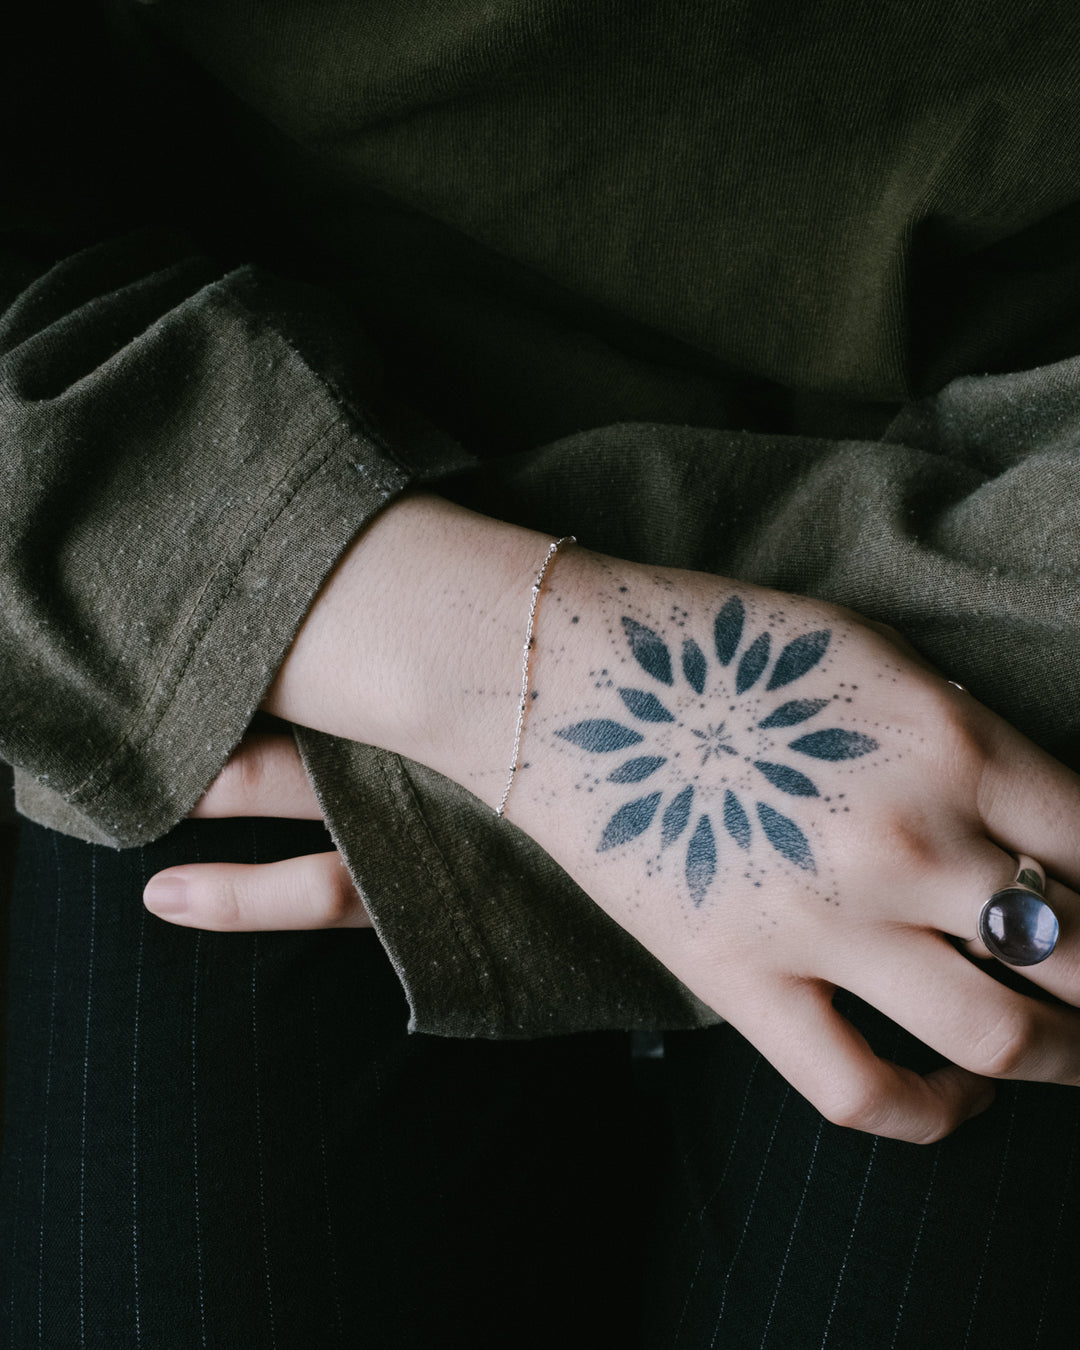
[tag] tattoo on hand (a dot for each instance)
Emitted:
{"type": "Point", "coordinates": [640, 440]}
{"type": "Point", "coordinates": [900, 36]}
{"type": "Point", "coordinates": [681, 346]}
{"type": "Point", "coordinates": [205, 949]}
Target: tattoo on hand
{"type": "Point", "coordinates": [724, 758]}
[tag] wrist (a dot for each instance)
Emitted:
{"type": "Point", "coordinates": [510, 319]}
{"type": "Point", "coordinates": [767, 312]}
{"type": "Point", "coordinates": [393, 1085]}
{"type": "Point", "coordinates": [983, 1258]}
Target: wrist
{"type": "Point", "coordinates": [415, 641]}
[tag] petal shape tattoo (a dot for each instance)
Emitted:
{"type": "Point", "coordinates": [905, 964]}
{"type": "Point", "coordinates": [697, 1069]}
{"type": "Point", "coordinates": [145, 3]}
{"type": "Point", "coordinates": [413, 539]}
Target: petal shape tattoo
{"type": "Point", "coordinates": [675, 817]}
{"type": "Point", "coordinates": [800, 655]}
{"type": "Point", "coordinates": [753, 662]}
{"type": "Point", "coordinates": [693, 665]}
{"type": "Point", "coordinates": [834, 744]}
{"type": "Point", "coordinates": [736, 821]}
{"type": "Point", "coordinates": [798, 710]}
{"type": "Point", "coordinates": [787, 780]}
{"type": "Point", "coordinates": [649, 650]}
{"type": "Point", "coordinates": [727, 630]}
{"type": "Point", "coordinates": [686, 752]}
{"type": "Point", "coordinates": [786, 837]}
{"type": "Point", "coordinates": [646, 707]}
{"type": "Point", "coordinates": [634, 770]}
{"type": "Point", "coordinates": [701, 860]}
{"type": "Point", "coordinates": [629, 821]}
{"type": "Point", "coordinates": [600, 735]}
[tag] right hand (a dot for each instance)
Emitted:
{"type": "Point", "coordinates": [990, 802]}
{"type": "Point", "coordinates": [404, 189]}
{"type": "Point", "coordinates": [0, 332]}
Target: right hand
{"type": "Point", "coordinates": [854, 860]}
{"type": "Point", "coordinates": [835, 819]}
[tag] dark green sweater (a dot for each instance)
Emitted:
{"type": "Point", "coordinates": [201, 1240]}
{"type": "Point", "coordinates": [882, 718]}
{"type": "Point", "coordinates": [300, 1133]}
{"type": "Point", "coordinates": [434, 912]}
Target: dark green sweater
{"type": "Point", "coordinates": [786, 292]}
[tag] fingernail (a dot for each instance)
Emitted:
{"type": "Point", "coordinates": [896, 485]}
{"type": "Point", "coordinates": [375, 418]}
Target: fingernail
{"type": "Point", "coordinates": [166, 896]}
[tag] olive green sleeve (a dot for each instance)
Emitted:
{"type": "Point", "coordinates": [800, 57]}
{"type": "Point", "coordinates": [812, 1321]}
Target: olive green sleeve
{"type": "Point", "coordinates": [181, 465]}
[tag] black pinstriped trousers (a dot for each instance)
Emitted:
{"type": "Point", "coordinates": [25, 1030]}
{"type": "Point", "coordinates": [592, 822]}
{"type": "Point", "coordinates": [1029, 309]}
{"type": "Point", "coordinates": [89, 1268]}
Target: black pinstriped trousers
{"type": "Point", "coordinates": [230, 1141]}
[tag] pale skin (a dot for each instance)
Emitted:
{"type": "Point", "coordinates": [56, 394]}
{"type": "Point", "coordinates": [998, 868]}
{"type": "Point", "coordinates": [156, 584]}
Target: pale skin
{"type": "Point", "coordinates": [791, 801]}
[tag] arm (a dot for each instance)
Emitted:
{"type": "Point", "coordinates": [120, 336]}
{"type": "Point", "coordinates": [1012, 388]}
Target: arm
{"type": "Point", "coordinates": [148, 599]}
{"type": "Point", "coordinates": [186, 445]}
{"type": "Point", "coordinates": [842, 863]}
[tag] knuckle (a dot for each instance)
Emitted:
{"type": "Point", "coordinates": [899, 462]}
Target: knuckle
{"type": "Point", "coordinates": [938, 1116]}
{"type": "Point", "coordinates": [927, 1132]}
{"type": "Point", "coordinates": [1005, 1048]}
{"type": "Point", "coordinates": [958, 740]}
{"type": "Point", "coordinates": [866, 1106]}
{"type": "Point", "coordinates": [903, 840]}
{"type": "Point", "coordinates": [853, 1105]}
{"type": "Point", "coordinates": [337, 897]}
{"type": "Point", "coordinates": [241, 783]}
{"type": "Point", "coordinates": [223, 794]}
{"type": "Point", "coordinates": [246, 772]}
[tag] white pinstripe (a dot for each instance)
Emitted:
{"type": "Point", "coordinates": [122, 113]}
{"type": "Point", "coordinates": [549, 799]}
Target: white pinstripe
{"type": "Point", "coordinates": [791, 1235]}
{"type": "Point", "coordinates": [258, 1114]}
{"type": "Point", "coordinates": [134, 1128]}
{"type": "Point", "coordinates": [1065, 1192]}
{"type": "Point", "coordinates": [749, 1216]}
{"type": "Point", "coordinates": [85, 1087]}
{"type": "Point", "coordinates": [851, 1239]}
{"type": "Point", "coordinates": [319, 1102]}
{"type": "Point", "coordinates": [259, 1139]}
{"type": "Point", "coordinates": [48, 1088]}
{"type": "Point", "coordinates": [14, 1241]}
{"type": "Point", "coordinates": [712, 1197]}
{"type": "Point", "coordinates": [19, 1161]}
{"type": "Point", "coordinates": [902, 1304]}
{"type": "Point", "coordinates": [993, 1216]}
{"type": "Point", "coordinates": [195, 1137]}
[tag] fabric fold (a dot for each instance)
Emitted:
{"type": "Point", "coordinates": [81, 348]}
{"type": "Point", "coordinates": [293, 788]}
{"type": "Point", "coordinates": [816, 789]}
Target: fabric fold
{"type": "Point", "coordinates": [179, 484]}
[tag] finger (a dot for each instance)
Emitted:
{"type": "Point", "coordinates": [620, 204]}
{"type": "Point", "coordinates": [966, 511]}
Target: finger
{"type": "Point", "coordinates": [314, 891]}
{"type": "Point", "coordinates": [264, 776]}
{"type": "Point", "coordinates": [1059, 973]}
{"type": "Point", "coordinates": [951, 904]}
{"type": "Point", "coordinates": [951, 885]}
{"type": "Point", "coordinates": [951, 900]}
{"type": "Point", "coordinates": [1030, 801]}
{"type": "Point", "coordinates": [922, 983]}
{"type": "Point", "coordinates": [823, 1057]}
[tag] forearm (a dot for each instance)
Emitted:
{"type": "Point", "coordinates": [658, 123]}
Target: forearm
{"type": "Point", "coordinates": [415, 641]}
{"type": "Point", "coordinates": [765, 791]}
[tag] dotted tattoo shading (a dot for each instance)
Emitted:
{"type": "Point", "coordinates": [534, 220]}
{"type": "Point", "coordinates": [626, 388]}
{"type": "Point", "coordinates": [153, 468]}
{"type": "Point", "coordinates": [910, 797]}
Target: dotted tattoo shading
{"type": "Point", "coordinates": [682, 819]}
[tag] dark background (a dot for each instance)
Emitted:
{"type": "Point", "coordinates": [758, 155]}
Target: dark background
{"type": "Point", "coordinates": [7, 859]}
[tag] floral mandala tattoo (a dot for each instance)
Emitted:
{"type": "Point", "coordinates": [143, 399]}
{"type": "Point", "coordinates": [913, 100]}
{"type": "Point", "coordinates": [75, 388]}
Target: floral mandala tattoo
{"type": "Point", "coordinates": [746, 765]}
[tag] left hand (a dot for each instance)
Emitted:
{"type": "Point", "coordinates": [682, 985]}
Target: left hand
{"type": "Point", "coordinates": [263, 777]}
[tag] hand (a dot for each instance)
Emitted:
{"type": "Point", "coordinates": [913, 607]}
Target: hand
{"type": "Point", "coordinates": [263, 777]}
{"type": "Point", "coordinates": [777, 801]}
{"type": "Point", "coordinates": [772, 795]}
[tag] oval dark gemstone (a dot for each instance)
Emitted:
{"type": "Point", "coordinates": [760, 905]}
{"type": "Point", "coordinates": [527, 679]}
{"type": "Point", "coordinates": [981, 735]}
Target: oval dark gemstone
{"type": "Point", "coordinates": [1018, 927]}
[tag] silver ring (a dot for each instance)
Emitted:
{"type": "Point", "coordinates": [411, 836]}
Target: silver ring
{"type": "Point", "coordinates": [1017, 924]}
